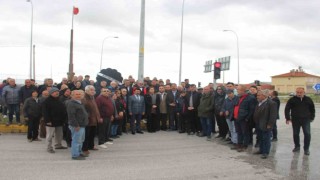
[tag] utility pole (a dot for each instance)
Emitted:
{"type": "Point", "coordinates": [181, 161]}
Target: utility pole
{"type": "Point", "coordinates": [141, 43]}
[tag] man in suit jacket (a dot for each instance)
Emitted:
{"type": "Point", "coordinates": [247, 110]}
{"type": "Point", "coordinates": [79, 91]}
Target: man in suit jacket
{"type": "Point", "coordinates": [172, 96]}
{"type": "Point", "coordinates": [193, 101]}
{"type": "Point", "coordinates": [265, 116]}
{"type": "Point", "coordinates": [136, 110]}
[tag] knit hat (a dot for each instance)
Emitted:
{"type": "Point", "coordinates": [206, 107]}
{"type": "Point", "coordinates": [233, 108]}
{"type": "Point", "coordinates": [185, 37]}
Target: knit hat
{"type": "Point", "coordinates": [52, 90]}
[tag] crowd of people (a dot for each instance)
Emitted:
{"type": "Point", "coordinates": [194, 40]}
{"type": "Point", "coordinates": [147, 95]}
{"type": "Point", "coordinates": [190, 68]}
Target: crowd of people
{"type": "Point", "coordinates": [79, 110]}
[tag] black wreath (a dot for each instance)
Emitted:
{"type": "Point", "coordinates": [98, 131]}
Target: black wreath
{"type": "Point", "coordinates": [113, 73]}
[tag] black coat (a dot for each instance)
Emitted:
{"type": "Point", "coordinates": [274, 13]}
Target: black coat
{"type": "Point", "coordinates": [195, 99]}
{"type": "Point", "coordinates": [300, 109]}
{"type": "Point", "coordinates": [54, 111]}
{"type": "Point", "coordinates": [148, 100]}
{"type": "Point", "coordinates": [32, 108]}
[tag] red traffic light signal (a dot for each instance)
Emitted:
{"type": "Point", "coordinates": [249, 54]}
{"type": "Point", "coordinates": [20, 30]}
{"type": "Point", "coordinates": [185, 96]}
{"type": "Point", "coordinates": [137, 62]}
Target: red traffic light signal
{"type": "Point", "coordinates": [217, 64]}
{"type": "Point", "coordinates": [217, 70]}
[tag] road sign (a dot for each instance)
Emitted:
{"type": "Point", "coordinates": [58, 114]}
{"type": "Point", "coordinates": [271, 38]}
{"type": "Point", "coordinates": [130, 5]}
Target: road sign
{"type": "Point", "coordinates": [316, 87]}
{"type": "Point", "coordinates": [208, 66]}
{"type": "Point", "coordinates": [225, 63]}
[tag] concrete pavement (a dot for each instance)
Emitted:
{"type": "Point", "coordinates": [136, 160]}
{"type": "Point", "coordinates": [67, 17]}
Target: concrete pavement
{"type": "Point", "coordinates": [162, 155]}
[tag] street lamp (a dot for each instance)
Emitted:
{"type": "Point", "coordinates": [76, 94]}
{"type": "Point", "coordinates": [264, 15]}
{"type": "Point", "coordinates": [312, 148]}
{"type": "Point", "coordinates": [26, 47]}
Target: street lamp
{"type": "Point", "coordinates": [180, 65]}
{"type": "Point", "coordinates": [102, 48]}
{"type": "Point", "coordinates": [31, 38]}
{"type": "Point", "coordinates": [237, 51]}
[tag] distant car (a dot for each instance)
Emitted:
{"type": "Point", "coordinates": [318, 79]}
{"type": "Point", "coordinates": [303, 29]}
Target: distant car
{"type": "Point", "coordinates": [291, 94]}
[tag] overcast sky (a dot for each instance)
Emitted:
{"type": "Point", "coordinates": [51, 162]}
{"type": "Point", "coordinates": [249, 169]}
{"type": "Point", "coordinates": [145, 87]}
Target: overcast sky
{"type": "Point", "coordinates": [274, 37]}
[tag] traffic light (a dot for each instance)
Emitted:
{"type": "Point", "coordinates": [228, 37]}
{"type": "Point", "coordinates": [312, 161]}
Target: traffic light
{"type": "Point", "coordinates": [217, 70]}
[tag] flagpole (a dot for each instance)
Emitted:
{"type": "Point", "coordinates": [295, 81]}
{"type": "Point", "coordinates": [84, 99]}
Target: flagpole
{"type": "Point", "coordinates": [71, 73]}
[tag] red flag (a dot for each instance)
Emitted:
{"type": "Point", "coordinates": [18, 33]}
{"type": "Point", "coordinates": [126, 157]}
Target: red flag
{"type": "Point", "coordinates": [75, 10]}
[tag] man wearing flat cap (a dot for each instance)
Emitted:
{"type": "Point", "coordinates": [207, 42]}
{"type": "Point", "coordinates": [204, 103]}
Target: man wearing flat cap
{"type": "Point", "coordinates": [55, 114]}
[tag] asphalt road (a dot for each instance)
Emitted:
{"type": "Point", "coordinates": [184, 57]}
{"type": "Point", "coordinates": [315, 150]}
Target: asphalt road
{"type": "Point", "coordinates": [162, 155]}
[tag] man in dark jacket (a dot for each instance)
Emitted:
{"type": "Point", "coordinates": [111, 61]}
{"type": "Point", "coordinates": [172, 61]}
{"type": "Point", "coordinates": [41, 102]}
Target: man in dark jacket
{"type": "Point", "coordinates": [172, 96]}
{"type": "Point", "coordinates": [243, 111]}
{"type": "Point", "coordinates": [26, 90]}
{"type": "Point", "coordinates": [54, 113]}
{"type": "Point", "coordinates": [300, 111]}
{"type": "Point", "coordinates": [32, 114]}
{"type": "Point", "coordinates": [192, 102]}
{"type": "Point", "coordinates": [219, 99]}
{"type": "Point", "coordinates": [77, 120]}
{"type": "Point", "coordinates": [265, 116]}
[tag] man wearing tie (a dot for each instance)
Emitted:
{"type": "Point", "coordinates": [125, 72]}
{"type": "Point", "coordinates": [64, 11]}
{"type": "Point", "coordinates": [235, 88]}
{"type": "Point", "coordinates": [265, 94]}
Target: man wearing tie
{"type": "Point", "coordinates": [136, 111]}
{"type": "Point", "coordinates": [172, 96]}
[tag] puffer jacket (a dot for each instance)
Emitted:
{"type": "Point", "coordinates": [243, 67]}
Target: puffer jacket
{"type": "Point", "coordinates": [11, 94]}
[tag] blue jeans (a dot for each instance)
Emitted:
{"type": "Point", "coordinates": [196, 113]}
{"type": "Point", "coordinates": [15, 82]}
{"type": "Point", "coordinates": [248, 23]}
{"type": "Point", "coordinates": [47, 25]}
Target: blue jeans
{"type": "Point", "coordinates": [77, 141]}
{"type": "Point", "coordinates": [265, 141]}
{"type": "Point", "coordinates": [232, 129]}
{"type": "Point", "coordinates": [243, 132]}
{"type": "Point", "coordinates": [14, 109]}
{"type": "Point", "coordinates": [305, 124]}
{"type": "Point", "coordinates": [206, 126]}
{"type": "Point", "coordinates": [114, 129]}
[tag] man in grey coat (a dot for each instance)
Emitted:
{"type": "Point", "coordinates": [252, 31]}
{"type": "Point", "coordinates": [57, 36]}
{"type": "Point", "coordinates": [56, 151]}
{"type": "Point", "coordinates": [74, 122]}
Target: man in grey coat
{"type": "Point", "coordinates": [265, 116]}
{"type": "Point", "coordinates": [78, 120]}
{"type": "Point", "coordinates": [10, 94]}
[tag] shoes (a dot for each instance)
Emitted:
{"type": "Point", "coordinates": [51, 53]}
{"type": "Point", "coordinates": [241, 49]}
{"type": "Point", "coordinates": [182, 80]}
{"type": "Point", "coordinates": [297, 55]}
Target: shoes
{"type": "Point", "coordinates": [192, 133]}
{"type": "Point", "coordinates": [103, 146]}
{"type": "Point", "coordinates": [133, 133]}
{"type": "Point", "coordinates": [296, 149]}
{"type": "Point", "coordinates": [219, 136]}
{"type": "Point", "coordinates": [257, 152]}
{"type": "Point", "coordinates": [264, 156]}
{"type": "Point", "coordinates": [230, 142]}
{"type": "Point", "coordinates": [256, 145]}
{"type": "Point", "coordinates": [5, 116]}
{"type": "Point", "coordinates": [94, 149]}
{"type": "Point", "coordinates": [61, 147]}
{"type": "Point", "coordinates": [109, 139]}
{"type": "Point", "coordinates": [8, 123]}
{"type": "Point", "coordinates": [51, 151]}
{"type": "Point", "coordinates": [242, 149]}
{"type": "Point", "coordinates": [36, 139]}
{"type": "Point", "coordinates": [274, 139]}
{"type": "Point", "coordinates": [181, 131]}
{"type": "Point", "coordinates": [235, 147]}
{"type": "Point", "coordinates": [307, 152]}
{"type": "Point", "coordinates": [86, 152]}
{"type": "Point", "coordinates": [140, 132]}
{"type": "Point", "coordinates": [84, 155]}
{"type": "Point", "coordinates": [108, 143]}
{"type": "Point", "coordinates": [78, 158]}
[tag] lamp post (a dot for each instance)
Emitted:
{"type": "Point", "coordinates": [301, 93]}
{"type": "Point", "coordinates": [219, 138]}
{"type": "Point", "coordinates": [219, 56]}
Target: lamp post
{"type": "Point", "coordinates": [237, 52]}
{"type": "Point", "coordinates": [102, 48]}
{"type": "Point", "coordinates": [31, 38]}
{"type": "Point", "coordinates": [180, 65]}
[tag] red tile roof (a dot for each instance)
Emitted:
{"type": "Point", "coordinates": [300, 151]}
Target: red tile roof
{"type": "Point", "coordinates": [296, 74]}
